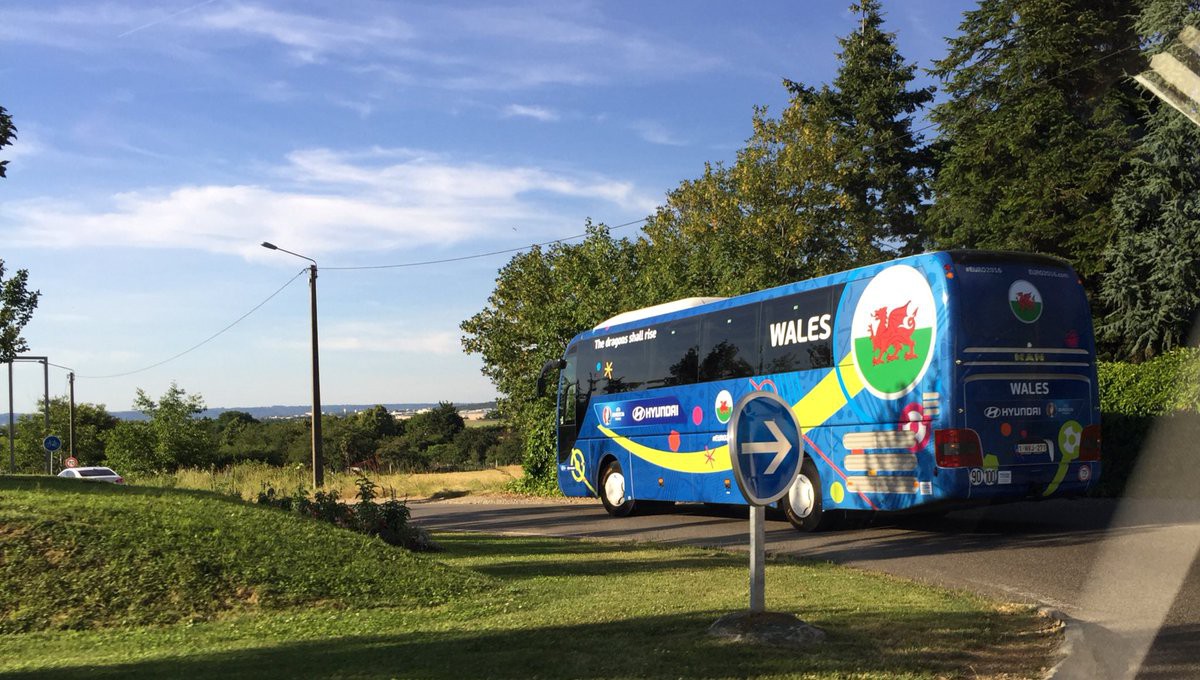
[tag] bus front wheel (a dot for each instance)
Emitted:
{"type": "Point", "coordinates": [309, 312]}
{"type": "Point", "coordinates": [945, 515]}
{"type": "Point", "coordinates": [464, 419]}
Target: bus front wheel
{"type": "Point", "coordinates": [613, 491]}
{"type": "Point", "coordinates": [803, 505]}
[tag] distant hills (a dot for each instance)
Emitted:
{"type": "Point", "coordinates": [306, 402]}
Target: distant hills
{"type": "Point", "coordinates": [267, 412]}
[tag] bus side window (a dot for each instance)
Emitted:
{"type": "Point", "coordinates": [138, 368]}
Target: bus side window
{"type": "Point", "coordinates": [625, 368]}
{"type": "Point", "coordinates": [675, 354]}
{"type": "Point", "coordinates": [729, 343]}
{"type": "Point", "coordinates": [798, 331]}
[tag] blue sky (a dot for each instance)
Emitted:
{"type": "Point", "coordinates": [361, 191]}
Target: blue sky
{"type": "Point", "coordinates": [161, 141]}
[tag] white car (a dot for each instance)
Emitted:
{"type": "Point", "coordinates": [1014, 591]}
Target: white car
{"type": "Point", "coordinates": [93, 474]}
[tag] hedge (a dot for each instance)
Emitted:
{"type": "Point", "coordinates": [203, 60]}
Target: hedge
{"type": "Point", "coordinates": [1138, 400]}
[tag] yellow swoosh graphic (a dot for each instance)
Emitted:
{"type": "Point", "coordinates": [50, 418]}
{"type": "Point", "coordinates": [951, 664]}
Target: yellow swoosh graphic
{"type": "Point", "coordinates": [819, 405]}
{"type": "Point", "coordinates": [684, 461]}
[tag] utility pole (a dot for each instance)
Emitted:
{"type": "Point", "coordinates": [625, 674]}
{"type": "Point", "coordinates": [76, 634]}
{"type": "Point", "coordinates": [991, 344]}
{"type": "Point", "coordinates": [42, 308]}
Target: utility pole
{"type": "Point", "coordinates": [318, 460]}
{"type": "Point", "coordinates": [71, 428]}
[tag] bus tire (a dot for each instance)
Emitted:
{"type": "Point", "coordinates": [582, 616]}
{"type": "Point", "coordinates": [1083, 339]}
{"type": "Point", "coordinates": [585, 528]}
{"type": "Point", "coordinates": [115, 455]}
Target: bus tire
{"type": "Point", "coordinates": [614, 492]}
{"type": "Point", "coordinates": [803, 505]}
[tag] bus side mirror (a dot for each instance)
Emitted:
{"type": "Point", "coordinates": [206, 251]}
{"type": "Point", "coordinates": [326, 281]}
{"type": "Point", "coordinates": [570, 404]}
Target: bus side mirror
{"type": "Point", "coordinates": [552, 365]}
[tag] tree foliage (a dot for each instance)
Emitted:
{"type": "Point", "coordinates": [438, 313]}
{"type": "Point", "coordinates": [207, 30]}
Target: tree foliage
{"type": "Point", "coordinates": [8, 132]}
{"type": "Point", "coordinates": [1035, 129]}
{"type": "Point", "coordinates": [92, 423]}
{"type": "Point", "coordinates": [17, 303]}
{"type": "Point", "coordinates": [886, 167]}
{"type": "Point", "coordinates": [171, 437]}
{"type": "Point", "coordinates": [1153, 289]}
{"type": "Point", "coordinates": [543, 297]}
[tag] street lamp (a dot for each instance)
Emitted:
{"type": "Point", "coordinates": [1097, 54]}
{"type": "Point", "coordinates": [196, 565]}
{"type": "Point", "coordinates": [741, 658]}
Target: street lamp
{"type": "Point", "coordinates": [318, 461]}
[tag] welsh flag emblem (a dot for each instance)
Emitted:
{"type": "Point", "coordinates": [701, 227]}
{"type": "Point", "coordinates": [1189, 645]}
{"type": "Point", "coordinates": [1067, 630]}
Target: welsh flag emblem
{"type": "Point", "coordinates": [723, 406]}
{"type": "Point", "coordinates": [894, 326]}
{"type": "Point", "coordinates": [1025, 301]}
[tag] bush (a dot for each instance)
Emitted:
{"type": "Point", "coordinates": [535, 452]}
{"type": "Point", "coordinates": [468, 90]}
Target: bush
{"type": "Point", "coordinates": [1168, 383]}
{"type": "Point", "coordinates": [1135, 399]}
{"type": "Point", "coordinates": [388, 520]}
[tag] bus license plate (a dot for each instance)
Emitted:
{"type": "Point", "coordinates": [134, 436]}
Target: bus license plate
{"type": "Point", "coordinates": [1027, 449]}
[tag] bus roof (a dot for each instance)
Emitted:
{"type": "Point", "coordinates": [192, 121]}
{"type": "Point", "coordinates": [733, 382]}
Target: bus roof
{"type": "Point", "coordinates": [656, 310]}
{"type": "Point", "coordinates": [672, 310]}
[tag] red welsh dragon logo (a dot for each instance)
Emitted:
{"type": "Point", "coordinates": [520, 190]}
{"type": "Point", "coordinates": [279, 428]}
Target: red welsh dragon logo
{"type": "Point", "coordinates": [1026, 302]}
{"type": "Point", "coordinates": [891, 332]}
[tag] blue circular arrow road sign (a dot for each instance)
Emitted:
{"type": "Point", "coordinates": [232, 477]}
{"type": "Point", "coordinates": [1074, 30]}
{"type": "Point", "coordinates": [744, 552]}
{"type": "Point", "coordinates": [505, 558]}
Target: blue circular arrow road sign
{"type": "Point", "coordinates": [52, 443]}
{"type": "Point", "coordinates": [765, 447]}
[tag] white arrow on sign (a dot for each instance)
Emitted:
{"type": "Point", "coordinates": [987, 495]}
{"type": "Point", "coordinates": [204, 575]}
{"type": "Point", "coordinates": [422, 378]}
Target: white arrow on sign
{"type": "Point", "coordinates": [779, 447]}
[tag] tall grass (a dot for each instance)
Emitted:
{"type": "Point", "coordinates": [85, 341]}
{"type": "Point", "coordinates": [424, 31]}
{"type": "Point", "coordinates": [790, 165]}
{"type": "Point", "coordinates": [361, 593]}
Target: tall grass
{"type": "Point", "coordinates": [247, 479]}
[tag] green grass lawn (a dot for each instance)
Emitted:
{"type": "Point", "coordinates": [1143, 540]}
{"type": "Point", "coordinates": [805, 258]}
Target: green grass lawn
{"type": "Point", "coordinates": [503, 607]}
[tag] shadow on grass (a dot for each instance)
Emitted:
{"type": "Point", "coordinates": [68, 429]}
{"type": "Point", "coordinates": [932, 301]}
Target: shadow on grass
{"type": "Point", "coordinates": [651, 647]}
{"type": "Point", "coordinates": [530, 558]}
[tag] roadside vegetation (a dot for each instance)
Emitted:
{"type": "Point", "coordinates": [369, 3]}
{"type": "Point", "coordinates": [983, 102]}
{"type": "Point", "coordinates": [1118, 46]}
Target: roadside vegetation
{"type": "Point", "coordinates": [104, 581]}
{"type": "Point", "coordinates": [80, 556]}
{"type": "Point", "coordinates": [246, 480]}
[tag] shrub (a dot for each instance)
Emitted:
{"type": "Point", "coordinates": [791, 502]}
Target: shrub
{"type": "Point", "coordinates": [388, 520]}
{"type": "Point", "coordinates": [1137, 398]}
{"type": "Point", "coordinates": [1166, 384]}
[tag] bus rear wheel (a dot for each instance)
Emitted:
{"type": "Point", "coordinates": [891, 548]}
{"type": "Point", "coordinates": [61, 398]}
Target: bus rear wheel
{"type": "Point", "coordinates": [613, 491]}
{"type": "Point", "coordinates": [803, 505]}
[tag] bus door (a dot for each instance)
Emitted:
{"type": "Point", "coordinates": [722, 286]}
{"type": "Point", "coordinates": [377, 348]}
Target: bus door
{"type": "Point", "coordinates": [568, 406]}
{"type": "Point", "coordinates": [1026, 364]}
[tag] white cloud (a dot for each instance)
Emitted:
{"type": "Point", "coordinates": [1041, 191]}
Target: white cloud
{"type": "Point", "coordinates": [322, 201]}
{"type": "Point", "coordinates": [656, 133]}
{"type": "Point", "coordinates": [376, 336]}
{"type": "Point", "coordinates": [307, 37]}
{"type": "Point", "coordinates": [535, 112]}
{"type": "Point", "coordinates": [437, 46]}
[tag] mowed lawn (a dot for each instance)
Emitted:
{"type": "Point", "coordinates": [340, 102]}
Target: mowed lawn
{"type": "Point", "coordinates": [488, 606]}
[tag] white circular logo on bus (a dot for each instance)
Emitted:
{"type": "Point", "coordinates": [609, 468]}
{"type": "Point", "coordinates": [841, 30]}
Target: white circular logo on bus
{"type": "Point", "coordinates": [1025, 300]}
{"type": "Point", "coordinates": [893, 332]}
{"type": "Point", "coordinates": [723, 406]}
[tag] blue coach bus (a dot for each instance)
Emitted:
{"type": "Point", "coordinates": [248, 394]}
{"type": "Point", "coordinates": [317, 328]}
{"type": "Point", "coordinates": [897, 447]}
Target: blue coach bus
{"type": "Point", "coordinates": [925, 382]}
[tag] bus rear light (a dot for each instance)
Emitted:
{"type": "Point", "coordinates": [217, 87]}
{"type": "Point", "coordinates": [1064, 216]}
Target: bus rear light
{"type": "Point", "coordinates": [1089, 444]}
{"type": "Point", "coordinates": [957, 448]}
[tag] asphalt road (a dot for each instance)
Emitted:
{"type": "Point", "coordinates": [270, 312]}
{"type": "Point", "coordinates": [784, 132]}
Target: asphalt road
{"type": "Point", "coordinates": [1117, 570]}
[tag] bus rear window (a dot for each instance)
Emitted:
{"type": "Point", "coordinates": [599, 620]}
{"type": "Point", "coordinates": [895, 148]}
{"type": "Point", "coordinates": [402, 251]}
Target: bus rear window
{"type": "Point", "coordinates": [1025, 305]}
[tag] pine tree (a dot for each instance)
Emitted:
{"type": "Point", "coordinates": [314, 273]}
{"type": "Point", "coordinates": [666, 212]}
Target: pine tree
{"type": "Point", "coordinates": [1036, 128]}
{"type": "Point", "coordinates": [1153, 288]}
{"type": "Point", "coordinates": [886, 168]}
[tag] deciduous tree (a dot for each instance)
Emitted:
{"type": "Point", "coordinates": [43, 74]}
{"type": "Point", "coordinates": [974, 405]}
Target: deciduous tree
{"type": "Point", "coordinates": [543, 297]}
{"type": "Point", "coordinates": [171, 437]}
{"type": "Point", "coordinates": [17, 303]}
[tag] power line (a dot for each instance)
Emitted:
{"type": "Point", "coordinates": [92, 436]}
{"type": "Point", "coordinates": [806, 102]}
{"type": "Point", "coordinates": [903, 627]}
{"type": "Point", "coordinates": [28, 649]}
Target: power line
{"type": "Point", "coordinates": [479, 255]}
{"type": "Point", "coordinates": [303, 271]}
{"type": "Point", "coordinates": [206, 340]}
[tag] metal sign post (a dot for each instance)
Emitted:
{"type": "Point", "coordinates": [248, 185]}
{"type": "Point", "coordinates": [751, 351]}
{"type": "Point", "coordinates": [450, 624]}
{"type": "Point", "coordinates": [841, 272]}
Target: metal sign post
{"type": "Point", "coordinates": [51, 443]}
{"type": "Point", "coordinates": [766, 451]}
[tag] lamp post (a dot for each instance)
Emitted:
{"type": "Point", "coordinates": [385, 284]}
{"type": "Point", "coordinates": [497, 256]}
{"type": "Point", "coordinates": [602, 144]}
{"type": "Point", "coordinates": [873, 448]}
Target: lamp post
{"type": "Point", "coordinates": [318, 461]}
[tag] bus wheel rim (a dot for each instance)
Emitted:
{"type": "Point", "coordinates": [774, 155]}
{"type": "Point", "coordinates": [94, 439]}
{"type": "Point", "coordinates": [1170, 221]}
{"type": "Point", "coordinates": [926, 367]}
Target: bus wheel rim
{"type": "Point", "coordinates": [801, 497]}
{"type": "Point", "coordinates": [614, 488]}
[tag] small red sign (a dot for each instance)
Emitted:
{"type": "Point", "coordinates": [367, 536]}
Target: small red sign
{"type": "Point", "coordinates": [71, 461]}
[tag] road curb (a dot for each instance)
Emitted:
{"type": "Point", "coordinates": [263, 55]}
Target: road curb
{"type": "Point", "coordinates": [1071, 633]}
